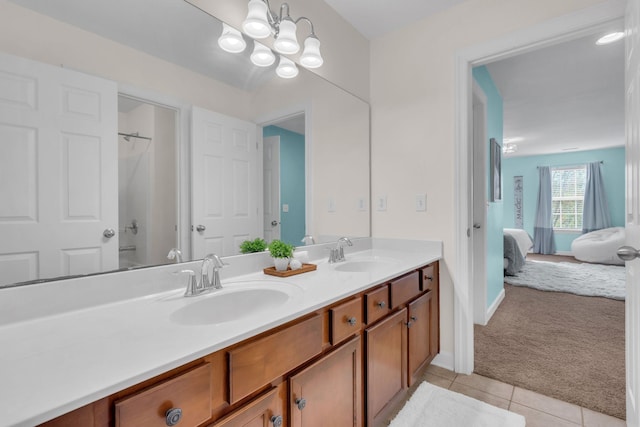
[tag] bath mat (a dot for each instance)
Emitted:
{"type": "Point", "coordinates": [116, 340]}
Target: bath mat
{"type": "Point", "coordinates": [595, 280]}
{"type": "Point", "coordinates": [433, 406]}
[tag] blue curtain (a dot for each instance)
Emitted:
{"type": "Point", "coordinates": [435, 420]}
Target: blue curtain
{"type": "Point", "coordinates": [595, 210]}
{"type": "Point", "coordinates": [543, 240]}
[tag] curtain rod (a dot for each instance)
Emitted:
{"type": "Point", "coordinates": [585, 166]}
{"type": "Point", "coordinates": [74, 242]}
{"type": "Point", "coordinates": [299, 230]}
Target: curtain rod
{"type": "Point", "coordinates": [133, 135]}
{"type": "Point", "coordinates": [568, 166]}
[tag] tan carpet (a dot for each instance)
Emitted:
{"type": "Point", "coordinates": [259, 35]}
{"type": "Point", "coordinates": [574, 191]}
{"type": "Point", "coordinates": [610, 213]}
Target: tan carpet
{"type": "Point", "coordinates": [561, 345]}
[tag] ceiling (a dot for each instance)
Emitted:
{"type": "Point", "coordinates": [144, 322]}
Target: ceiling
{"type": "Point", "coordinates": [374, 18]}
{"type": "Point", "coordinates": [561, 98]}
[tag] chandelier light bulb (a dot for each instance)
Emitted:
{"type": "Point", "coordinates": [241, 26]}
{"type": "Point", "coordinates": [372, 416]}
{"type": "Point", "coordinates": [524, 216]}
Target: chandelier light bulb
{"type": "Point", "coordinates": [262, 56]}
{"type": "Point", "coordinates": [286, 68]}
{"type": "Point", "coordinates": [311, 57]}
{"type": "Point", "coordinates": [256, 24]}
{"type": "Point", "coordinates": [231, 40]}
{"type": "Point", "coordinates": [286, 42]}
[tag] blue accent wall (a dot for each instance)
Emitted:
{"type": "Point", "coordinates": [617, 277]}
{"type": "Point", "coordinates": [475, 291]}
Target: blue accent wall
{"type": "Point", "coordinates": [292, 183]}
{"type": "Point", "coordinates": [495, 266]}
{"type": "Point", "coordinates": [527, 167]}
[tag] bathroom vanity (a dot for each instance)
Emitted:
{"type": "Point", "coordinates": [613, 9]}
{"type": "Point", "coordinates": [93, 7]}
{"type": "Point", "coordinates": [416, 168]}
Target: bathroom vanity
{"type": "Point", "coordinates": [339, 347]}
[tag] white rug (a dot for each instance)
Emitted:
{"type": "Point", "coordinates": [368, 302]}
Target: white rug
{"type": "Point", "coordinates": [432, 406]}
{"type": "Point", "coordinates": [582, 279]}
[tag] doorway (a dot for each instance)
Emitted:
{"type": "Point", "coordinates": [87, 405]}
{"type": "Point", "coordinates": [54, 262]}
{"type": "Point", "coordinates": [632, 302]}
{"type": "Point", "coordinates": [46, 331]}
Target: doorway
{"type": "Point", "coordinates": [147, 185]}
{"type": "Point", "coordinates": [571, 26]}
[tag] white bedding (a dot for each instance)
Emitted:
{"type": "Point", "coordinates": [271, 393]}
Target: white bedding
{"type": "Point", "coordinates": [524, 242]}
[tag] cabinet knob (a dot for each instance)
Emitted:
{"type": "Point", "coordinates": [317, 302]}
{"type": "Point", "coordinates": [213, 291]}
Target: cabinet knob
{"type": "Point", "coordinates": [429, 278]}
{"type": "Point", "coordinates": [413, 318]}
{"type": "Point", "coordinates": [173, 416]}
{"type": "Point", "coordinates": [409, 323]}
{"type": "Point", "coordinates": [352, 321]}
{"type": "Point", "coordinates": [276, 420]}
{"type": "Point", "coordinates": [382, 304]}
{"type": "Point", "coordinates": [301, 402]}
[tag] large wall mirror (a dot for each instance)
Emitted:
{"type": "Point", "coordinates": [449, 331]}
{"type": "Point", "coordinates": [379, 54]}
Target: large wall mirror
{"type": "Point", "coordinates": [125, 132]}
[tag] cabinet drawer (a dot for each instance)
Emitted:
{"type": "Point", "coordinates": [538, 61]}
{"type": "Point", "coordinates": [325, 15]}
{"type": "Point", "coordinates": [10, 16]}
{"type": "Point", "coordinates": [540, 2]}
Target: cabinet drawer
{"type": "Point", "coordinates": [405, 288]}
{"type": "Point", "coordinates": [429, 279]}
{"type": "Point", "coordinates": [345, 320]}
{"type": "Point", "coordinates": [377, 304]}
{"type": "Point", "coordinates": [189, 392]}
{"type": "Point", "coordinates": [266, 410]}
{"type": "Point", "coordinates": [258, 363]}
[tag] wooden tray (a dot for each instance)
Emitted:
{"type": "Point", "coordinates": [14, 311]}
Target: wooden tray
{"type": "Point", "coordinates": [289, 272]}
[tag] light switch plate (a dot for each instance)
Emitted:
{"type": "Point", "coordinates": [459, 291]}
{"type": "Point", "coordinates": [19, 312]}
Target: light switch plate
{"type": "Point", "coordinates": [362, 204]}
{"type": "Point", "coordinates": [421, 202]}
{"type": "Point", "coordinates": [381, 203]}
{"type": "Point", "coordinates": [331, 206]}
{"type": "Point", "coordinates": [285, 208]}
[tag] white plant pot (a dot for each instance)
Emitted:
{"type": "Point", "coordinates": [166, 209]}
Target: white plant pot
{"type": "Point", "coordinates": [281, 263]}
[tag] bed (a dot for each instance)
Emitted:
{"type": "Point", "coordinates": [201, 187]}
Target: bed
{"type": "Point", "coordinates": [517, 243]}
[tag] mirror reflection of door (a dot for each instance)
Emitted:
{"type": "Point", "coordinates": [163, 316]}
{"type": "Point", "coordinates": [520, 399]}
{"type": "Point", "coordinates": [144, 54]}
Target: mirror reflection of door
{"type": "Point", "coordinates": [271, 158]}
{"type": "Point", "coordinates": [285, 200]}
{"type": "Point", "coordinates": [147, 193]}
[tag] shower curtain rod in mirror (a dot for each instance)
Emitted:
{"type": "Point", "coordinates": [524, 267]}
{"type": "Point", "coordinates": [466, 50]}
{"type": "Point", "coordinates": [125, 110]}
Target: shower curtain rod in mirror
{"type": "Point", "coordinates": [133, 135]}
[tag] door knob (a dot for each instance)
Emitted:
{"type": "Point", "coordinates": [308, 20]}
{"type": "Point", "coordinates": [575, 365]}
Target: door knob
{"type": "Point", "coordinates": [627, 253]}
{"type": "Point", "coordinates": [274, 223]}
{"type": "Point", "coordinates": [200, 228]}
{"type": "Point", "coordinates": [109, 233]}
{"type": "Point", "coordinates": [476, 226]}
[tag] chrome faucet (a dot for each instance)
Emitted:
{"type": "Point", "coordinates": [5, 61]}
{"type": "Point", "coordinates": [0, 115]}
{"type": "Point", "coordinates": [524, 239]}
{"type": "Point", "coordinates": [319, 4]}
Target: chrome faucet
{"type": "Point", "coordinates": [175, 254]}
{"type": "Point", "coordinates": [337, 254]}
{"type": "Point", "coordinates": [207, 282]}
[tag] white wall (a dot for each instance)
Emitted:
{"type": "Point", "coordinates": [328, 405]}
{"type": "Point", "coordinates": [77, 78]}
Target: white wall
{"type": "Point", "coordinates": [413, 115]}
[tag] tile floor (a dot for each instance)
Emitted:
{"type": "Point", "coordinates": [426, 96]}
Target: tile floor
{"type": "Point", "coordinates": [539, 410]}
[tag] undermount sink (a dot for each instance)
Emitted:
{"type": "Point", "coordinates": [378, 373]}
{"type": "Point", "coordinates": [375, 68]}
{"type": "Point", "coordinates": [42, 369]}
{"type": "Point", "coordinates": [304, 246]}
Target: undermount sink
{"type": "Point", "coordinates": [234, 302]}
{"type": "Point", "coordinates": [361, 266]}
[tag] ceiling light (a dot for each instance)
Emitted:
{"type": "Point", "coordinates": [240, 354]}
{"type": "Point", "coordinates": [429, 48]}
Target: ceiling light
{"type": "Point", "coordinates": [231, 40]}
{"type": "Point", "coordinates": [509, 148]}
{"type": "Point", "coordinates": [262, 22]}
{"type": "Point", "coordinates": [286, 68]}
{"type": "Point", "coordinates": [256, 24]}
{"type": "Point", "coordinates": [262, 56]}
{"type": "Point", "coordinates": [311, 57]}
{"type": "Point", "coordinates": [610, 38]}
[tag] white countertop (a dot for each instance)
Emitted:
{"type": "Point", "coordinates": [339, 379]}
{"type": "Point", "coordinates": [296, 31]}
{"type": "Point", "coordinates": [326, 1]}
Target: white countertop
{"type": "Point", "coordinates": [58, 362]}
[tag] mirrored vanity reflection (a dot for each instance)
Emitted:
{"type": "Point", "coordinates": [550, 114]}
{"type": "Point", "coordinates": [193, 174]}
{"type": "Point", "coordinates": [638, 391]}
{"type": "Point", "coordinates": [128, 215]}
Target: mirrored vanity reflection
{"type": "Point", "coordinates": [125, 132]}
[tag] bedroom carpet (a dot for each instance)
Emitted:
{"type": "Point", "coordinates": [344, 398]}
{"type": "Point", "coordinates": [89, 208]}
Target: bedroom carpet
{"type": "Point", "coordinates": [581, 279]}
{"type": "Point", "coordinates": [561, 345]}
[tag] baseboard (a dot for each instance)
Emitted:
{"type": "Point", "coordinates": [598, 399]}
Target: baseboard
{"type": "Point", "coordinates": [564, 253]}
{"type": "Point", "coordinates": [444, 360]}
{"type": "Point", "coordinates": [494, 305]}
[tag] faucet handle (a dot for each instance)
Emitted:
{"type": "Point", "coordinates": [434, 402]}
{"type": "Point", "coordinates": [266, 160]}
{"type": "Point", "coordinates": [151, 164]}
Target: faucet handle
{"type": "Point", "coordinates": [192, 284]}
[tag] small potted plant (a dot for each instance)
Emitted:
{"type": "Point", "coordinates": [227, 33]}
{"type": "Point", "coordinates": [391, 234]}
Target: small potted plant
{"type": "Point", "coordinates": [251, 246]}
{"type": "Point", "coordinates": [281, 253]}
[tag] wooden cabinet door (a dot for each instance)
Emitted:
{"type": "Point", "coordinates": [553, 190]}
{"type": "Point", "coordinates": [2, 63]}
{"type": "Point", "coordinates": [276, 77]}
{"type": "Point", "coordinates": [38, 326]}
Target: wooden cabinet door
{"type": "Point", "coordinates": [267, 410]}
{"type": "Point", "coordinates": [386, 349]}
{"type": "Point", "coordinates": [419, 335]}
{"type": "Point", "coordinates": [329, 392]}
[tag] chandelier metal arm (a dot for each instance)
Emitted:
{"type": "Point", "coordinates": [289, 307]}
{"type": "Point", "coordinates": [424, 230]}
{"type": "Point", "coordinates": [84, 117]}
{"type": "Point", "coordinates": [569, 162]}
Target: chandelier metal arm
{"type": "Point", "coordinates": [304, 18]}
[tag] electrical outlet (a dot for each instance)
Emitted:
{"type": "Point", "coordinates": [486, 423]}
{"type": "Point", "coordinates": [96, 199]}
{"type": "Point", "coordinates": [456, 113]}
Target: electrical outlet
{"type": "Point", "coordinates": [421, 202]}
{"type": "Point", "coordinates": [362, 204]}
{"type": "Point", "coordinates": [331, 207]}
{"type": "Point", "coordinates": [381, 203]}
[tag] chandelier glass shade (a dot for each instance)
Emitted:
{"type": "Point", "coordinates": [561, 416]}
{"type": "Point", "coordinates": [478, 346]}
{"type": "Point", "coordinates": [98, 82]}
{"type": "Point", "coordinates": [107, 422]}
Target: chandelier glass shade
{"type": "Point", "coordinates": [286, 68]}
{"type": "Point", "coordinates": [262, 56]}
{"type": "Point", "coordinates": [231, 40]}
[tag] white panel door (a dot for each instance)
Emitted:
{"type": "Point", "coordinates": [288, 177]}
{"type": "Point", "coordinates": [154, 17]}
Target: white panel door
{"type": "Point", "coordinates": [632, 120]}
{"type": "Point", "coordinates": [58, 171]}
{"type": "Point", "coordinates": [271, 159]}
{"type": "Point", "coordinates": [225, 176]}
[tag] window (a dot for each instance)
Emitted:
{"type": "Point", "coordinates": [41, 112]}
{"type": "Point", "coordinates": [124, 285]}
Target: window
{"type": "Point", "coordinates": [567, 197]}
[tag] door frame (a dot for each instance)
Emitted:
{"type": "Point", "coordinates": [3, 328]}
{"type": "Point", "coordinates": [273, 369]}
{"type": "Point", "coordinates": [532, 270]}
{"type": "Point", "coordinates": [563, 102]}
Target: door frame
{"type": "Point", "coordinates": [553, 31]}
{"type": "Point", "coordinates": [278, 115]}
{"type": "Point", "coordinates": [183, 162]}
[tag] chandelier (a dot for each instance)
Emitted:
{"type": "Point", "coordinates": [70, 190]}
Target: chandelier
{"type": "Point", "coordinates": [261, 23]}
